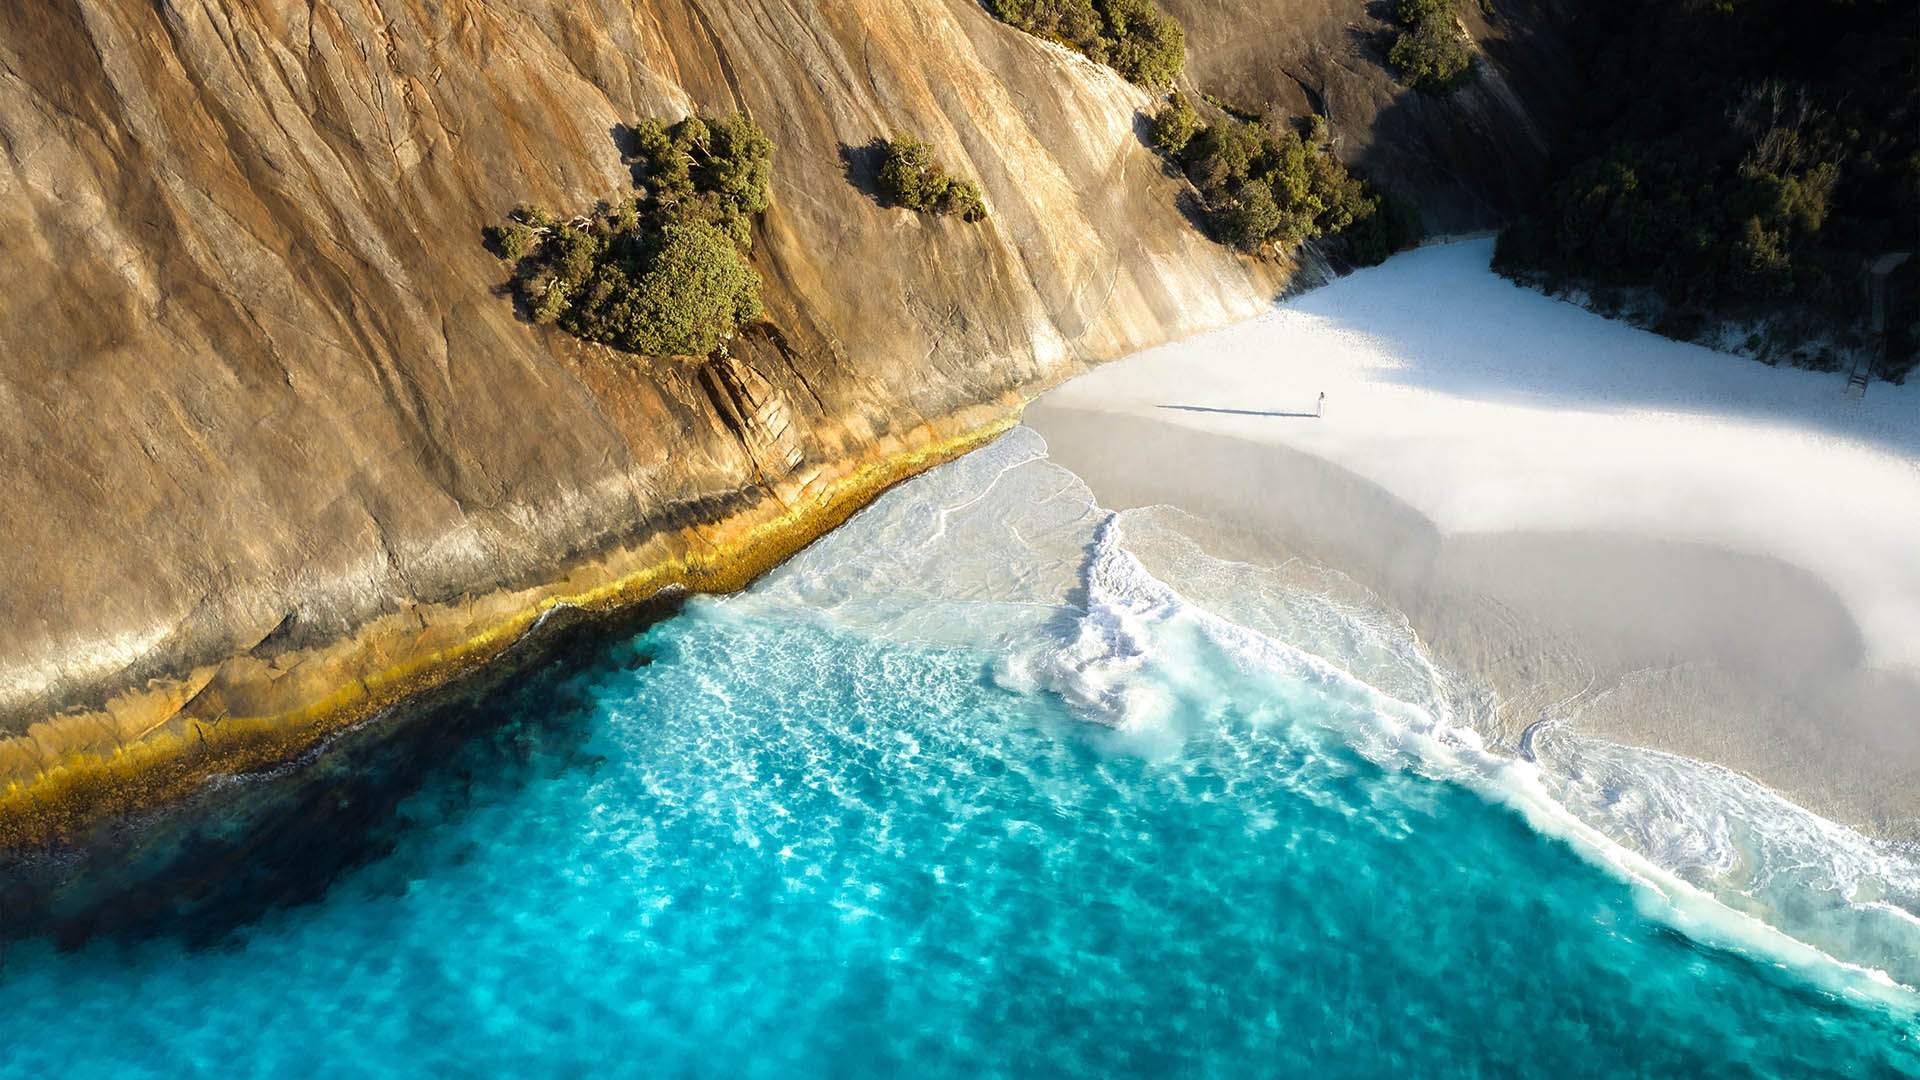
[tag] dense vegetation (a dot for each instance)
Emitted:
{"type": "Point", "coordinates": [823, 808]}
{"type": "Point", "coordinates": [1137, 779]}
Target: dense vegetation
{"type": "Point", "coordinates": [1739, 158]}
{"type": "Point", "coordinates": [1428, 51]}
{"type": "Point", "coordinates": [910, 177]}
{"type": "Point", "coordinates": [664, 271]}
{"type": "Point", "coordinates": [1267, 188]}
{"type": "Point", "coordinates": [1133, 37]}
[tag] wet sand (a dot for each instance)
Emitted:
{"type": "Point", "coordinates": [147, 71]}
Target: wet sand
{"type": "Point", "coordinates": [1766, 631]}
{"type": "Point", "coordinates": [1741, 660]}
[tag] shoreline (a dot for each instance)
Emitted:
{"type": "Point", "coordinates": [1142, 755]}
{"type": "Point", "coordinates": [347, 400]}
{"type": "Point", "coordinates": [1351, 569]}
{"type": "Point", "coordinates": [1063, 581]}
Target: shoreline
{"type": "Point", "coordinates": [70, 778]}
{"type": "Point", "coordinates": [241, 844]}
{"type": "Point", "coordinates": [1549, 648]}
{"type": "Point", "coordinates": [1680, 628]}
{"type": "Point", "coordinates": [1718, 676]}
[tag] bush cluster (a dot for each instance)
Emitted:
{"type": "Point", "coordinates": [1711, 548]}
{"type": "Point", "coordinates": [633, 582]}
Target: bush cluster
{"type": "Point", "coordinates": [910, 177]}
{"type": "Point", "coordinates": [1429, 52]}
{"type": "Point", "coordinates": [664, 271]}
{"type": "Point", "coordinates": [1268, 189]}
{"type": "Point", "coordinates": [1740, 158]}
{"type": "Point", "coordinates": [1133, 37]}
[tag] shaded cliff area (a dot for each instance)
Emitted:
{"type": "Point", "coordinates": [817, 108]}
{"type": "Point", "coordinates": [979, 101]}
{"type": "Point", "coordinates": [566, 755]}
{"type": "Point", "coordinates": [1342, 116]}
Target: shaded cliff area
{"type": "Point", "coordinates": [1741, 173]}
{"type": "Point", "coordinates": [1466, 160]}
{"type": "Point", "coordinates": [276, 449]}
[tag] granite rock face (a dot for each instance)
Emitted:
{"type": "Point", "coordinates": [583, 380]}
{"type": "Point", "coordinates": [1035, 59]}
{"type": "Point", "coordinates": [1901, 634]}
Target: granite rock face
{"type": "Point", "coordinates": [1464, 160]}
{"type": "Point", "coordinates": [261, 390]}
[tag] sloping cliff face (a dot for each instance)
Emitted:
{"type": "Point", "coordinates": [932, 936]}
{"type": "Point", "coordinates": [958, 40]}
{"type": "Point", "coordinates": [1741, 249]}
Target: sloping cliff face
{"type": "Point", "coordinates": [275, 450]}
{"type": "Point", "coordinates": [1465, 160]}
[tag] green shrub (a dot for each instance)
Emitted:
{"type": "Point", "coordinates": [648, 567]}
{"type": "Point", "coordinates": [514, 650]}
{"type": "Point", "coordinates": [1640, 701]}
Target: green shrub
{"type": "Point", "coordinates": [665, 271]}
{"type": "Point", "coordinates": [1175, 126]}
{"type": "Point", "coordinates": [910, 177]}
{"type": "Point", "coordinates": [533, 216]}
{"type": "Point", "coordinates": [1382, 225]}
{"type": "Point", "coordinates": [962, 199]}
{"type": "Point", "coordinates": [1134, 37]}
{"type": "Point", "coordinates": [1758, 264]}
{"type": "Point", "coordinates": [511, 241]}
{"type": "Point", "coordinates": [1250, 217]}
{"type": "Point", "coordinates": [715, 168]}
{"type": "Point", "coordinates": [1429, 53]}
{"type": "Point", "coordinates": [1144, 44]}
{"type": "Point", "coordinates": [691, 292]}
{"type": "Point", "coordinates": [1737, 161]}
{"type": "Point", "coordinates": [1074, 23]}
{"type": "Point", "coordinates": [1267, 190]}
{"type": "Point", "coordinates": [736, 163]}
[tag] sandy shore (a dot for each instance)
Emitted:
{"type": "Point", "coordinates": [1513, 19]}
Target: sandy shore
{"type": "Point", "coordinates": [1666, 546]}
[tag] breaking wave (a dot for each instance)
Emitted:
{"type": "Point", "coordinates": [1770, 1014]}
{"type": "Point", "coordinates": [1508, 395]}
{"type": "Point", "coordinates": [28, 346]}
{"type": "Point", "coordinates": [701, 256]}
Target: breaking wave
{"type": "Point", "coordinates": [993, 781]}
{"type": "Point", "coordinates": [1006, 545]}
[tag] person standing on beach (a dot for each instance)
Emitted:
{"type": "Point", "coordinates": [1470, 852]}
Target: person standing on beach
{"type": "Point", "coordinates": [1319, 405]}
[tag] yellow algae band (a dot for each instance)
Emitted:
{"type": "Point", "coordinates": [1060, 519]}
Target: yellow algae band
{"type": "Point", "coordinates": [72, 772]}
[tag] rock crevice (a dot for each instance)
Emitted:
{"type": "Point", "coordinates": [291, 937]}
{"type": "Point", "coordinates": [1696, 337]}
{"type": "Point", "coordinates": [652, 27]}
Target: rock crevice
{"type": "Point", "coordinates": [273, 442]}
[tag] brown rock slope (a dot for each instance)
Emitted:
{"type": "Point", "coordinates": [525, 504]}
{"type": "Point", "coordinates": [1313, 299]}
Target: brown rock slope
{"type": "Point", "coordinates": [274, 449]}
{"type": "Point", "coordinates": [1465, 159]}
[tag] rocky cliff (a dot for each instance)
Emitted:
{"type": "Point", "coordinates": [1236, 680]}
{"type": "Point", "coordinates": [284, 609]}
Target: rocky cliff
{"type": "Point", "coordinates": [1464, 160]}
{"type": "Point", "coordinates": [275, 449]}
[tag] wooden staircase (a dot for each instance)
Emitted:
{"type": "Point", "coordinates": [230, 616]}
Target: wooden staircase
{"type": "Point", "coordinates": [1876, 274]}
{"type": "Point", "coordinates": [1858, 378]}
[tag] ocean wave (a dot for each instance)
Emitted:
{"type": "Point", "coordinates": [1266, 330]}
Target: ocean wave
{"type": "Point", "coordinates": [1707, 825]}
{"type": "Point", "coordinates": [1799, 876]}
{"type": "Point", "coordinates": [1006, 552]}
{"type": "Point", "coordinates": [1751, 848]}
{"type": "Point", "coordinates": [1096, 668]}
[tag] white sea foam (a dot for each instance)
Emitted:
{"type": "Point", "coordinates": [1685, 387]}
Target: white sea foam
{"type": "Point", "coordinates": [1710, 826]}
{"type": "Point", "coordinates": [1491, 409]}
{"type": "Point", "coordinates": [1787, 842]}
{"type": "Point", "coordinates": [1096, 668]}
{"type": "Point", "coordinates": [1751, 848]}
{"type": "Point", "coordinates": [1005, 551]}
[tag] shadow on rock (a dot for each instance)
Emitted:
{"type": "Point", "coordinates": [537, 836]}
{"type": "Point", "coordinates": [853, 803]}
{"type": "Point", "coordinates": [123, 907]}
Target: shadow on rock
{"type": "Point", "coordinates": [862, 168]}
{"type": "Point", "coordinates": [248, 846]}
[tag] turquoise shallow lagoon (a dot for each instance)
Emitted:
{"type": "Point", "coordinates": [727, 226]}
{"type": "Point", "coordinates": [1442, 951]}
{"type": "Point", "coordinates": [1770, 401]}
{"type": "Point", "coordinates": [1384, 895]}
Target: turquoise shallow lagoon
{"type": "Point", "coordinates": [960, 792]}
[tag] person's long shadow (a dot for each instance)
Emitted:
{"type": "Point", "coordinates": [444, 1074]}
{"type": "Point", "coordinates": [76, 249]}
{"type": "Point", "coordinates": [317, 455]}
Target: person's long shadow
{"type": "Point", "coordinates": [1238, 412]}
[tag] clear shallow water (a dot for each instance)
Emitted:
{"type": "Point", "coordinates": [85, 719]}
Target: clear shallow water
{"type": "Point", "coordinates": [967, 788]}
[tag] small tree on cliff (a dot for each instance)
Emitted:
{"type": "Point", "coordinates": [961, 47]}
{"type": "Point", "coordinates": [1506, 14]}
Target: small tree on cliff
{"type": "Point", "coordinates": [1134, 37]}
{"type": "Point", "coordinates": [663, 272]}
{"type": "Point", "coordinates": [1430, 52]}
{"type": "Point", "coordinates": [910, 177]}
{"type": "Point", "coordinates": [1174, 127]}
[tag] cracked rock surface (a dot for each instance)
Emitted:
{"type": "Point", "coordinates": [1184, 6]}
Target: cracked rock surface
{"type": "Point", "coordinates": [258, 380]}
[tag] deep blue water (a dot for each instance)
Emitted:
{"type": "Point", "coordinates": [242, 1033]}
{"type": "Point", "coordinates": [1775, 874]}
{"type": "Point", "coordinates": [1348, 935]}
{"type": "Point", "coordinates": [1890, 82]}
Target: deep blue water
{"type": "Point", "coordinates": [846, 829]}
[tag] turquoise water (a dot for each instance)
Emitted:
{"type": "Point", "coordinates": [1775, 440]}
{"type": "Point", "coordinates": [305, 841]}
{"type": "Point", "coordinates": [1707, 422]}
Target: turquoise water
{"type": "Point", "coordinates": [964, 790]}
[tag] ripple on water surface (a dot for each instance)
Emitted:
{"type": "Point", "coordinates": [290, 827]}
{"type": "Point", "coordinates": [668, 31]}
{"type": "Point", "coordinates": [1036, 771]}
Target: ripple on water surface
{"type": "Point", "coordinates": [868, 830]}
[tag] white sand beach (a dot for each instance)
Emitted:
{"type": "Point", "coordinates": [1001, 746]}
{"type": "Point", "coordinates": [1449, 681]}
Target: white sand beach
{"type": "Point", "coordinates": [1658, 543]}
